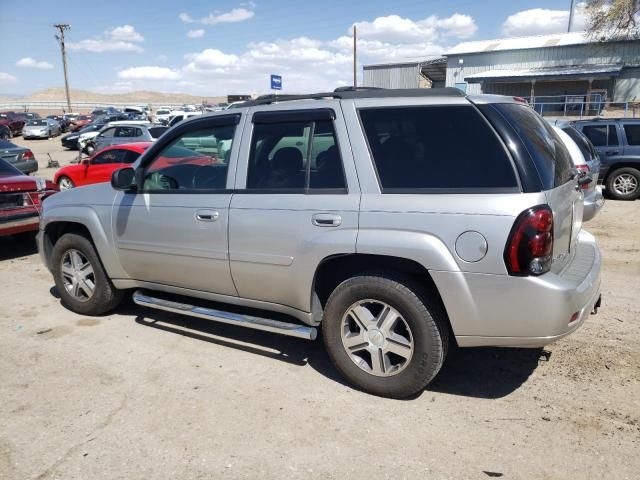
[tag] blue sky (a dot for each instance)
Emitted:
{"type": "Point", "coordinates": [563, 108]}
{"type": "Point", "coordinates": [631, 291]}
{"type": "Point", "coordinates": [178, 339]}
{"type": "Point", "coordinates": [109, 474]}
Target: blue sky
{"type": "Point", "coordinates": [219, 47]}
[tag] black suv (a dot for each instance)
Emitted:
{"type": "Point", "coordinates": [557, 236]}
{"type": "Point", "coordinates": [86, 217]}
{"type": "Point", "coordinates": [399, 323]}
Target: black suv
{"type": "Point", "coordinates": [618, 143]}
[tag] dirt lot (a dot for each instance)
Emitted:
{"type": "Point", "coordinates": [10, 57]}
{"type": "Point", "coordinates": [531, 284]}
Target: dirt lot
{"type": "Point", "coordinates": [144, 395]}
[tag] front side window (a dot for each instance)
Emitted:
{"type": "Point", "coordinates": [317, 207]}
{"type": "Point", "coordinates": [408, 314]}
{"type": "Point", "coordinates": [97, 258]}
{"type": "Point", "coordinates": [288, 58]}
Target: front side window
{"type": "Point", "coordinates": [435, 147]}
{"type": "Point", "coordinates": [196, 160]}
{"type": "Point", "coordinates": [109, 132]}
{"type": "Point", "coordinates": [601, 135]}
{"type": "Point", "coordinates": [295, 156]}
{"type": "Point", "coordinates": [110, 156]}
{"type": "Point", "coordinates": [126, 132]}
{"type": "Point", "coordinates": [633, 134]}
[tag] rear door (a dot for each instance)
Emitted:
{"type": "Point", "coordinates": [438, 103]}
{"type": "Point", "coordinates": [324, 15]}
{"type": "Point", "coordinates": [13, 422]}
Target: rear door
{"type": "Point", "coordinates": [605, 138]}
{"type": "Point", "coordinates": [296, 202]}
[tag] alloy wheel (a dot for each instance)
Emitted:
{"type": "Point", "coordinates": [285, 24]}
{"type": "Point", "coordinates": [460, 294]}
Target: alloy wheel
{"type": "Point", "coordinates": [625, 184]}
{"type": "Point", "coordinates": [65, 183]}
{"type": "Point", "coordinates": [78, 275]}
{"type": "Point", "coordinates": [377, 338]}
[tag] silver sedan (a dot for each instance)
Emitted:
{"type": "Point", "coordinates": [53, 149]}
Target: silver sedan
{"type": "Point", "coordinates": [41, 128]}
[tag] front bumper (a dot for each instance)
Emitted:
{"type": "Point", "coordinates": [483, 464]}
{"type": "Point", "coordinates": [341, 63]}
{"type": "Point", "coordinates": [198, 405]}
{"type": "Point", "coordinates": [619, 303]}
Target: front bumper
{"type": "Point", "coordinates": [34, 134]}
{"type": "Point", "coordinates": [506, 311]}
{"type": "Point", "coordinates": [11, 224]}
{"type": "Point", "coordinates": [593, 202]}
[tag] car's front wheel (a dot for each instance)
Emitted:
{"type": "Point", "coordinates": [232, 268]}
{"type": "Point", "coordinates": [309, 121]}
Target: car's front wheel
{"type": "Point", "coordinates": [384, 334]}
{"type": "Point", "coordinates": [624, 184]}
{"type": "Point", "coordinates": [80, 279]}
{"type": "Point", "coordinates": [65, 183]}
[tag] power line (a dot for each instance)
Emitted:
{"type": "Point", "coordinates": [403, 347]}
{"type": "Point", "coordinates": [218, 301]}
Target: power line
{"type": "Point", "coordinates": [62, 27]}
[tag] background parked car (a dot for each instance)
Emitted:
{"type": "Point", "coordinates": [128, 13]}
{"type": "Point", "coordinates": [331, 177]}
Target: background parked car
{"type": "Point", "coordinates": [127, 133]}
{"type": "Point", "coordinates": [20, 199]}
{"type": "Point", "coordinates": [41, 128]}
{"type": "Point", "coordinates": [13, 122]}
{"type": "Point", "coordinates": [80, 122]}
{"type": "Point", "coordinates": [99, 168]}
{"type": "Point", "coordinates": [64, 123]}
{"type": "Point", "coordinates": [72, 141]}
{"type": "Point", "coordinates": [19, 157]}
{"type": "Point", "coordinates": [593, 199]}
{"type": "Point", "coordinates": [162, 115]}
{"type": "Point", "coordinates": [618, 143]}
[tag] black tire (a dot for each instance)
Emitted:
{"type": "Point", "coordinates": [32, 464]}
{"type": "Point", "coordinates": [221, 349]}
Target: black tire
{"type": "Point", "coordinates": [105, 296]}
{"type": "Point", "coordinates": [423, 317]}
{"type": "Point", "coordinates": [618, 173]}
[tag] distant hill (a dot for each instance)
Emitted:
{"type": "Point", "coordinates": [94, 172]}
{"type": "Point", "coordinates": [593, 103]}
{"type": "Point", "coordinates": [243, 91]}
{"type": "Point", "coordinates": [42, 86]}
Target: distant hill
{"type": "Point", "coordinates": [142, 96]}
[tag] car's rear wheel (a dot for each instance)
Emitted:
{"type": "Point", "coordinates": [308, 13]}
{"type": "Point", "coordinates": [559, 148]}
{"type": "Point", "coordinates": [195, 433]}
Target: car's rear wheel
{"type": "Point", "coordinates": [65, 183]}
{"type": "Point", "coordinates": [80, 279]}
{"type": "Point", "coordinates": [385, 335]}
{"type": "Point", "coordinates": [624, 184]}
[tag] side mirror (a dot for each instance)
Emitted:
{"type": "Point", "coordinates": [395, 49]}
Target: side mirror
{"type": "Point", "coordinates": [124, 179]}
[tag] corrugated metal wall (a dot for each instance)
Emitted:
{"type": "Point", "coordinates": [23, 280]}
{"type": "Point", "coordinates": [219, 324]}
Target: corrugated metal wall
{"type": "Point", "coordinates": [392, 76]}
{"type": "Point", "coordinates": [593, 53]}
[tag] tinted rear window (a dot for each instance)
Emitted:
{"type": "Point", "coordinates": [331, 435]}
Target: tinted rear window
{"type": "Point", "coordinates": [633, 134]}
{"type": "Point", "coordinates": [155, 132]}
{"type": "Point", "coordinates": [550, 157]}
{"type": "Point", "coordinates": [436, 148]}
{"type": "Point", "coordinates": [581, 141]}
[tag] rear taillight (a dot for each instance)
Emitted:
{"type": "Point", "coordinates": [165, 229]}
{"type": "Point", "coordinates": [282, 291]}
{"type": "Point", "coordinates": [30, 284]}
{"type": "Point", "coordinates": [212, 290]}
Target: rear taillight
{"type": "Point", "coordinates": [27, 155]}
{"type": "Point", "coordinates": [583, 171]}
{"type": "Point", "coordinates": [530, 245]}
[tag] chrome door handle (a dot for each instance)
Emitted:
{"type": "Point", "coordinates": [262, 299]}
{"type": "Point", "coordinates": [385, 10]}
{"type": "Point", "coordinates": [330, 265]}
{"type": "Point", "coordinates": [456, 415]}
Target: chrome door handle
{"type": "Point", "coordinates": [207, 215]}
{"type": "Point", "coordinates": [326, 220]}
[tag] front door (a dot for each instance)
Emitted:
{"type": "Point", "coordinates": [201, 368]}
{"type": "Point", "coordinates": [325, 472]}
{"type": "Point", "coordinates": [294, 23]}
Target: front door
{"type": "Point", "coordinates": [296, 202]}
{"type": "Point", "coordinates": [174, 231]}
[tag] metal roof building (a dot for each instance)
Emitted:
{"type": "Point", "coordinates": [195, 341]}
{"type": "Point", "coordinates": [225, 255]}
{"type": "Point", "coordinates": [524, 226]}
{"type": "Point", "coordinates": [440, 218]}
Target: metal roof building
{"type": "Point", "coordinates": [556, 70]}
{"type": "Point", "coordinates": [547, 65]}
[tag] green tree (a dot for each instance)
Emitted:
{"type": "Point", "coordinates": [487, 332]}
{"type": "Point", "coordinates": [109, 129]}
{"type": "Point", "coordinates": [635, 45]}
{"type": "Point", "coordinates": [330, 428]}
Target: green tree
{"type": "Point", "coordinates": [609, 19]}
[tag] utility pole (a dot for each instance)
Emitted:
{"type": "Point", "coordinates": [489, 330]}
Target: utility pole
{"type": "Point", "coordinates": [571, 16]}
{"type": "Point", "coordinates": [62, 27]}
{"type": "Point", "coordinates": [355, 57]}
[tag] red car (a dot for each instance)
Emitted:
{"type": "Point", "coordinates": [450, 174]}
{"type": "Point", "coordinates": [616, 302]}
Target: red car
{"type": "Point", "coordinates": [80, 122]}
{"type": "Point", "coordinates": [13, 122]}
{"type": "Point", "coordinates": [20, 199]}
{"type": "Point", "coordinates": [99, 167]}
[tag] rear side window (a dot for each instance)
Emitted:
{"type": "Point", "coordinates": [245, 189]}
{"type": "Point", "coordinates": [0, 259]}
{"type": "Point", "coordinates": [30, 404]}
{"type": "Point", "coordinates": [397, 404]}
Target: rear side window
{"type": "Point", "coordinates": [633, 134]}
{"type": "Point", "coordinates": [601, 135]}
{"type": "Point", "coordinates": [549, 154]}
{"type": "Point", "coordinates": [436, 148]}
{"type": "Point", "coordinates": [155, 132]}
{"type": "Point", "coordinates": [581, 142]}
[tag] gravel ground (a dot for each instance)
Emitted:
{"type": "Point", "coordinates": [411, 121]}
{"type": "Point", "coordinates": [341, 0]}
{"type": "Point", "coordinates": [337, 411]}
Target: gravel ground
{"type": "Point", "coordinates": [145, 395]}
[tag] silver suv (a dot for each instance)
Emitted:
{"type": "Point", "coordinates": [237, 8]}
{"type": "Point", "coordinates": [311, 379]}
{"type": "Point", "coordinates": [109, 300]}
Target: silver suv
{"type": "Point", "coordinates": [398, 221]}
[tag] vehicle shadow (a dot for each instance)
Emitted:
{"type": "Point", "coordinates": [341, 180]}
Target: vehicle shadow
{"type": "Point", "coordinates": [486, 372]}
{"type": "Point", "coordinates": [17, 246]}
{"type": "Point", "coordinates": [473, 372]}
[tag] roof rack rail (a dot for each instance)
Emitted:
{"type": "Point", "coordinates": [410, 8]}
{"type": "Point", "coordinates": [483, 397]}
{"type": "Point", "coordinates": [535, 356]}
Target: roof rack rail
{"type": "Point", "coordinates": [344, 93]}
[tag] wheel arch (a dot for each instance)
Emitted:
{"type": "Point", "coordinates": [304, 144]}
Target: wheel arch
{"type": "Point", "coordinates": [335, 269]}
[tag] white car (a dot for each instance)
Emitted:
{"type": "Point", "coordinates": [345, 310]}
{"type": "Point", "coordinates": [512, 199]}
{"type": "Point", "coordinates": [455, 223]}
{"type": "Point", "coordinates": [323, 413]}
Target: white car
{"type": "Point", "coordinates": [163, 114]}
{"type": "Point", "coordinates": [178, 116]}
{"type": "Point", "coordinates": [593, 198]}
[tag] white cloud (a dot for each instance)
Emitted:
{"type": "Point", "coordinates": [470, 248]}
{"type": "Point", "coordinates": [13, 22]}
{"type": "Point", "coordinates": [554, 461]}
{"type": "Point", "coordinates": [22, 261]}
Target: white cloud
{"type": "Point", "coordinates": [120, 39]}
{"type": "Point", "coordinates": [210, 58]}
{"type": "Point", "coordinates": [6, 78]}
{"type": "Point", "coordinates": [126, 33]}
{"type": "Point", "coordinates": [199, 33]}
{"type": "Point", "coordinates": [542, 21]}
{"type": "Point", "coordinates": [28, 62]}
{"type": "Point", "coordinates": [233, 16]}
{"type": "Point", "coordinates": [149, 73]}
{"type": "Point", "coordinates": [396, 29]}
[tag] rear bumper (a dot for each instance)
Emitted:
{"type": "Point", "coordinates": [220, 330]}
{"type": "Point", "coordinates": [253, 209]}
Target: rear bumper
{"type": "Point", "coordinates": [500, 310]}
{"type": "Point", "coordinates": [593, 202]}
{"type": "Point", "coordinates": [11, 224]}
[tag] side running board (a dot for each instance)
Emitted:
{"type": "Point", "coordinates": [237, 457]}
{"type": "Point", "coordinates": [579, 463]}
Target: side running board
{"type": "Point", "coordinates": [247, 321]}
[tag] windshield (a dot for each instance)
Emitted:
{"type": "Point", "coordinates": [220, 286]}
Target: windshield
{"type": "Point", "coordinates": [7, 169]}
{"type": "Point", "coordinates": [92, 128]}
{"type": "Point", "coordinates": [163, 112]}
{"type": "Point", "coordinates": [37, 123]}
